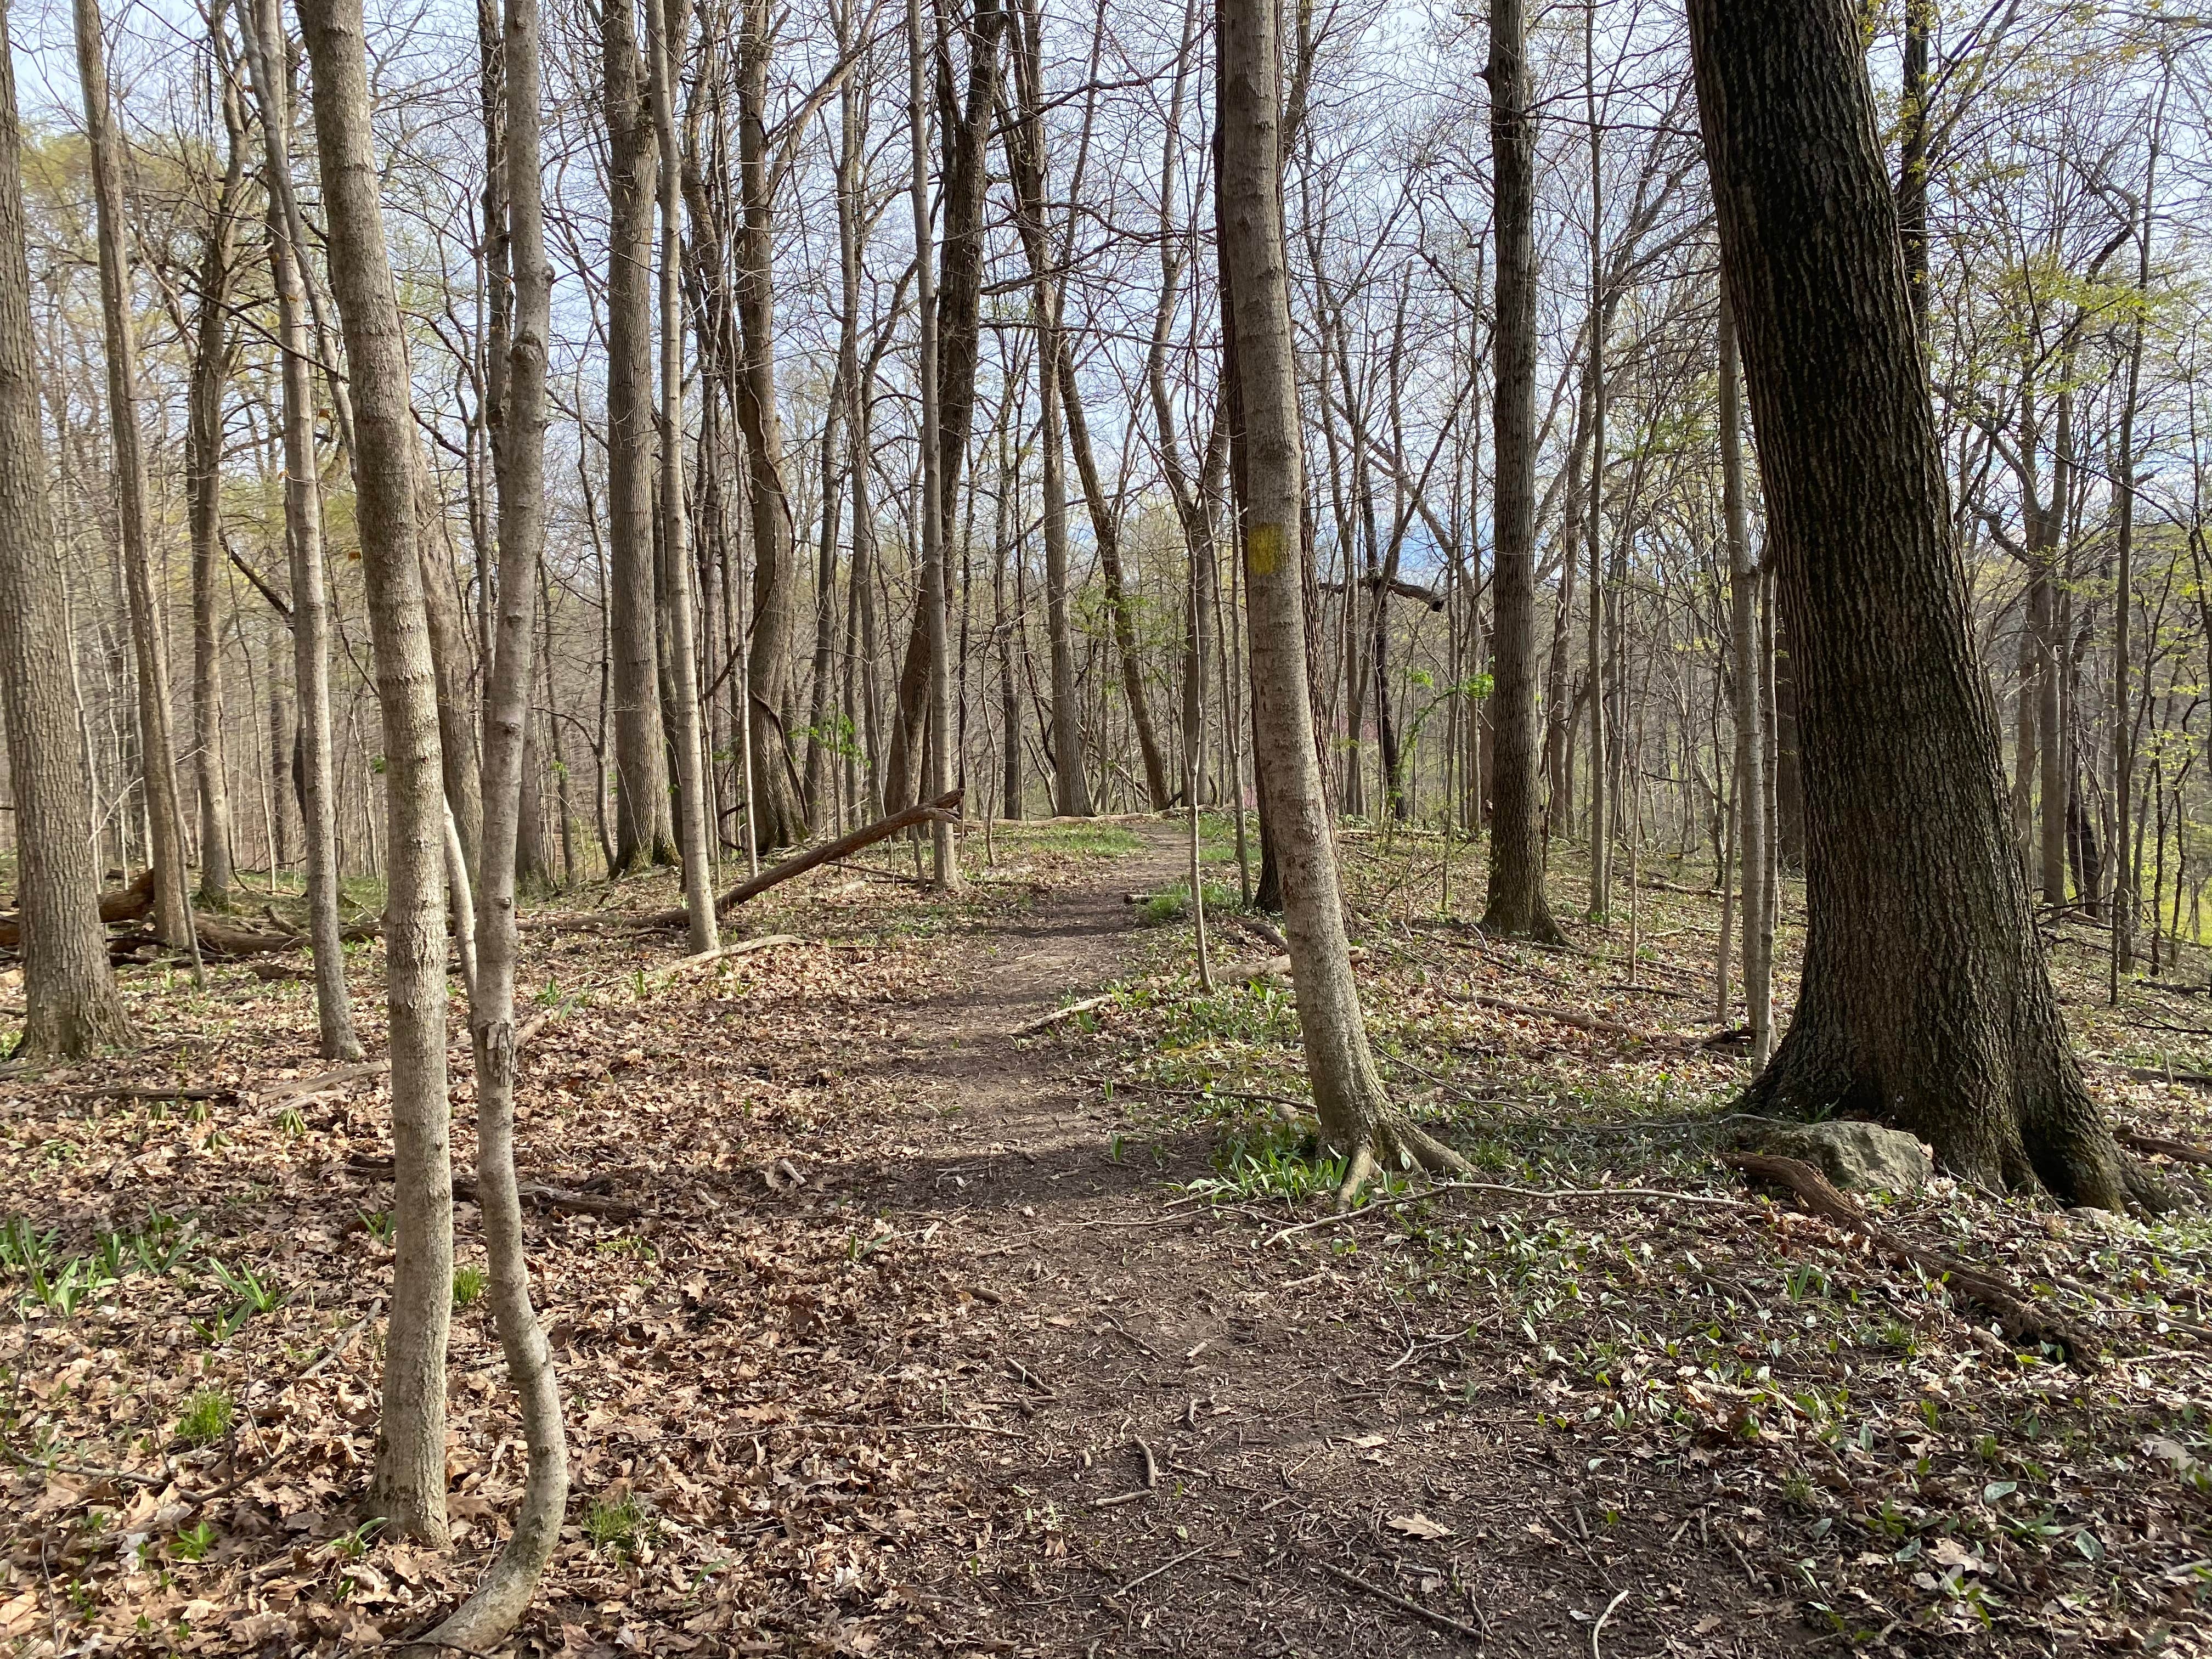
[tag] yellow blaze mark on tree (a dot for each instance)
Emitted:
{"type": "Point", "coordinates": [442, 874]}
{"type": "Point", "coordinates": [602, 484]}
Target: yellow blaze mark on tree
{"type": "Point", "coordinates": [1263, 549]}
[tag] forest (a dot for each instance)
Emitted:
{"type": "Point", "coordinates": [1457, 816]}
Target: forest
{"type": "Point", "coordinates": [1027, 827]}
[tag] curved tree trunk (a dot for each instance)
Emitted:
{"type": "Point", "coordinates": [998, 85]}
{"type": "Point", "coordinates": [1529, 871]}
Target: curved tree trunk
{"type": "Point", "coordinates": [71, 1005]}
{"type": "Point", "coordinates": [1356, 1120]}
{"type": "Point", "coordinates": [1925, 1000]}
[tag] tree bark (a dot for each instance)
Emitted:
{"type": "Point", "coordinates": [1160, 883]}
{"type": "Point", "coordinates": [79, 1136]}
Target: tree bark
{"type": "Point", "coordinates": [262, 27]}
{"type": "Point", "coordinates": [1750, 707]}
{"type": "Point", "coordinates": [408, 1487]}
{"type": "Point", "coordinates": [1925, 1002]}
{"type": "Point", "coordinates": [1517, 900]}
{"type": "Point", "coordinates": [164, 814]}
{"type": "Point", "coordinates": [211, 364]}
{"type": "Point", "coordinates": [778, 817]}
{"type": "Point", "coordinates": [71, 1008]}
{"type": "Point", "coordinates": [489, 1614]}
{"type": "Point", "coordinates": [644, 825]}
{"type": "Point", "coordinates": [1023, 141]}
{"type": "Point", "coordinates": [1356, 1120]}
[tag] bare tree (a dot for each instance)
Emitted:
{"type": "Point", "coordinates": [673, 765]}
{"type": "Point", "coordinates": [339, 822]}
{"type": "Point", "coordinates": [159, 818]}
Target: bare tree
{"type": "Point", "coordinates": [1356, 1121]}
{"type": "Point", "coordinates": [409, 1488]}
{"type": "Point", "coordinates": [71, 1006]}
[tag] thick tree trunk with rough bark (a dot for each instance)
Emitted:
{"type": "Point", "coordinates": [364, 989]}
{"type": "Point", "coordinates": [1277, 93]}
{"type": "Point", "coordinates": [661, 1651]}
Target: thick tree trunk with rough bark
{"type": "Point", "coordinates": [262, 27]}
{"type": "Point", "coordinates": [645, 833]}
{"type": "Point", "coordinates": [1356, 1121]}
{"type": "Point", "coordinates": [408, 1487]}
{"type": "Point", "coordinates": [1925, 1002]}
{"type": "Point", "coordinates": [1517, 903]}
{"type": "Point", "coordinates": [70, 1002]}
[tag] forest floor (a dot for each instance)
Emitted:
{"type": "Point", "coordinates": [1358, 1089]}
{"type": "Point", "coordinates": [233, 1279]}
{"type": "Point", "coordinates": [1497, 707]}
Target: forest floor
{"type": "Point", "coordinates": [892, 1329]}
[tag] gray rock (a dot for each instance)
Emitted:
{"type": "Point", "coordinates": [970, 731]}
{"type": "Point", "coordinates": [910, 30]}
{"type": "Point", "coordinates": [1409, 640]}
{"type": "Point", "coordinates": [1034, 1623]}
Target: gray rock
{"type": "Point", "coordinates": [1855, 1156]}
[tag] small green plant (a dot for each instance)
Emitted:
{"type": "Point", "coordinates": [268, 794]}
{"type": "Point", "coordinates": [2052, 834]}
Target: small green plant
{"type": "Point", "coordinates": [207, 1418]}
{"type": "Point", "coordinates": [63, 1292]}
{"type": "Point", "coordinates": [22, 1247]}
{"type": "Point", "coordinates": [246, 1285]}
{"type": "Point", "coordinates": [377, 1224]}
{"type": "Point", "coordinates": [619, 1526]}
{"type": "Point", "coordinates": [351, 1545]}
{"type": "Point", "coordinates": [193, 1543]}
{"type": "Point", "coordinates": [160, 1244]}
{"type": "Point", "coordinates": [292, 1122]}
{"type": "Point", "coordinates": [469, 1282]}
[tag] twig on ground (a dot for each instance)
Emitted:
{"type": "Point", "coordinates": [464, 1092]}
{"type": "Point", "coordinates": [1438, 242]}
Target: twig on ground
{"type": "Point", "coordinates": [1405, 1603]}
{"type": "Point", "coordinates": [1144, 1577]}
{"type": "Point", "coordinates": [1049, 1020]}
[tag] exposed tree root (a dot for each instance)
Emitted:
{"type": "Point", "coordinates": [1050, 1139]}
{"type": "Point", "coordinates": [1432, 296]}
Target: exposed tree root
{"type": "Point", "coordinates": [2023, 1318]}
{"type": "Point", "coordinates": [1393, 1141]}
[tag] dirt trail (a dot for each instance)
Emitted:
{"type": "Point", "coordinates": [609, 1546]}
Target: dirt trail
{"type": "Point", "coordinates": [1201, 1444]}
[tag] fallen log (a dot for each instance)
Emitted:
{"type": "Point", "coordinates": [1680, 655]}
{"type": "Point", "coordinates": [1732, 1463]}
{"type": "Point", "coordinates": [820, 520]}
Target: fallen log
{"type": "Point", "coordinates": [121, 904]}
{"type": "Point", "coordinates": [531, 1192]}
{"type": "Point", "coordinates": [743, 947]}
{"type": "Point", "coordinates": [2023, 1318]}
{"type": "Point", "coordinates": [220, 938]}
{"type": "Point", "coordinates": [944, 808]}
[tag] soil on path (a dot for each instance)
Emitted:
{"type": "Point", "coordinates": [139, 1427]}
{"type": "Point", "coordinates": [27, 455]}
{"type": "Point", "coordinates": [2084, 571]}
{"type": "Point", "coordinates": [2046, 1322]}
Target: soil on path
{"type": "Point", "coordinates": [1193, 1441]}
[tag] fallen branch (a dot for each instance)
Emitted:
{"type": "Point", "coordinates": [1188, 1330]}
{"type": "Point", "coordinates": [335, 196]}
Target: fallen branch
{"type": "Point", "coordinates": [1267, 932]}
{"type": "Point", "coordinates": [2181, 1151]}
{"type": "Point", "coordinates": [1404, 1603]}
{"type": "Point", "coordinates": [1049, 1020]}
{"type": "Point", "coordinates": [743, 947]}
{"type": "Point", "coordinates": [1548, 1193]}
{"type": "Point", "coordinates": [2023, 1319]}
{"type": "Point", "coordinates": [946, 809]}
{"type": "Point", "coordinates": [531, 1192]}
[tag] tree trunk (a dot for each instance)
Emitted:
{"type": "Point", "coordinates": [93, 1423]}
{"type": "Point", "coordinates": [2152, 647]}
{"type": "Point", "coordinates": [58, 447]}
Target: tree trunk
{"type": "Point", "coordinates": [172, 908]}
{"type": "Point", "coordinates": [203, 489]}
{"type": "Point", "coordinates": [665, 25]}
{"type": "Point", "coordinates": [1106, 531]}
{"type": "Point", "coordinates": [930, 602]}
{"type": "Point", "coordinates": [409, 1488]}
{"type": "Point", "coordinates": [779, 818]}
{"type": "Point", "coordinates": [489, 1614]}
{"type": "Point", "coordinates": [1026, 161]}
{"type": "Point", "coordinates": [1750, 709]}
{"type": "Point", "coordinates": [1517, 903]}
{"type": "Point", "coordinates": [303, 541]}
{"type": "Point", "coordinates": [1925, 1002]}
{"type": "Point", "coordinates": [644, 825]}
{"type": "Point", "coordinates": [70, 1002]}
{"type": "Point", "coordinates": [1356, 1120]}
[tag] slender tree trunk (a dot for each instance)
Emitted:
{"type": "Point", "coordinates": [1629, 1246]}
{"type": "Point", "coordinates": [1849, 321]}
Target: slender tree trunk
{"type": "Point", "coordinates": [303, 541]}
{"type": "Point", "coordinates": [172, 908]}
{"type": "Point", "coordinates": [1356, 1120]}
{"type": "Point", "coordinates": [937, 767]}
{"type": "Point", "coordinates": [1026, 161]}
{"type": "Point", "coordinates": [644, 826]}
{"type": "Point", "coordinates": [409, 1483]}
{"type": "Point", "coordinates": [778, 817]}
{"type": "Point", "coordinates": [1600, 823]}
{"type": "Point", "coordinates": [487, 1618]}
{"type": "Point", "coordinates": [1517, 903]}
{"type": "Point", "coordinates": [1925, 1002]}
{"type": "Point", "coordinates": [664, 24]}
{"type": "Point", "coordinates": [1750, 707]}
{"type": "Point", "coordinates": [203, 489]}
{"type": "Point", "coordinates": [70, 1002]}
